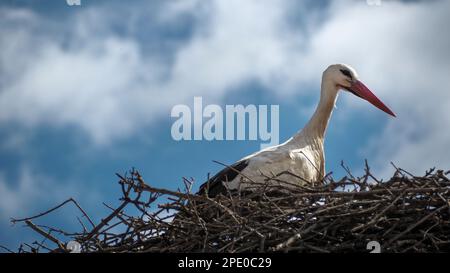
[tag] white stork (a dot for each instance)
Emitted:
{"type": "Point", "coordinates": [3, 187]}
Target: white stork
{"type": "Point", "coordinates": [299, 160]}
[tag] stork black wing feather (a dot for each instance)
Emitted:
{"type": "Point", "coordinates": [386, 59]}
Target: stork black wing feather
{"type": "Point", "coordinates": [214, 186]}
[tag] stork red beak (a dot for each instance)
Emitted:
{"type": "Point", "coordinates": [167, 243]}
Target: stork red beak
{"type": "Point", "coordinates": [360, 90]}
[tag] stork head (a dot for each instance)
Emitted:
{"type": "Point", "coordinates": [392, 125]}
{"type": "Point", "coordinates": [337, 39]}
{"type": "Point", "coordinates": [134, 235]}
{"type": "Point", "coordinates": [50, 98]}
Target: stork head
{"type": "Point", "coordinates": [345, 77]}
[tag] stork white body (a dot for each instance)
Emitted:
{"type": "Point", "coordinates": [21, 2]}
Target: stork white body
{"type": "Point", "coordinates": [301, 159]}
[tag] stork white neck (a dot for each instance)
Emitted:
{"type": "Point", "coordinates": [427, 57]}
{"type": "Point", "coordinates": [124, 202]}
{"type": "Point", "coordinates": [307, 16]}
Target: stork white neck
{"type": "Point", "coordinates": [317, 125]}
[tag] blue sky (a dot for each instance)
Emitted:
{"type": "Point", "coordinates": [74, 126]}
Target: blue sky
{"type": "Point", "coordinates": [86, 91]}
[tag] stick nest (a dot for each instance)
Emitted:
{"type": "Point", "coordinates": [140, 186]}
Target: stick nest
{"type": "Point", "coordinates": [407, 213]}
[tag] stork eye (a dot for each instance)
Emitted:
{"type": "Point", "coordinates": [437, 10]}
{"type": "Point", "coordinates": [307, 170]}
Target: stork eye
{"type": "Point", "coordinates": [346, 73]}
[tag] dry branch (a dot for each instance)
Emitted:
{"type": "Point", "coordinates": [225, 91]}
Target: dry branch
{"type": "Point", "coordinates": [404, 214]}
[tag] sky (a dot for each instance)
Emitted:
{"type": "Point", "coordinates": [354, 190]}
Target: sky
{"type": "Point", "coordinates": [87, 91]}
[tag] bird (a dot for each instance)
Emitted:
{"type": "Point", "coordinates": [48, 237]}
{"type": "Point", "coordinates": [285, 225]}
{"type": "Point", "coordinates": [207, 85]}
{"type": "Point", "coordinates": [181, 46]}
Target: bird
{"type": "Point", "coordinates": [300, 160]}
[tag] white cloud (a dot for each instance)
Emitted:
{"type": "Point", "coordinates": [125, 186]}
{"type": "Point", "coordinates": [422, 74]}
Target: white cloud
{"type": "Point", "coordinates": [21, 195]}
{"type": "Point", "coordinates": [87, 85]}
{"type": "Point", "coordinates": [106, 85]}
{"type": "Point", "coordinates": [13, 199]}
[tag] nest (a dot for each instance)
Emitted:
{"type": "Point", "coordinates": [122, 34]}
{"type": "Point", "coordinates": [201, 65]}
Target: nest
{"type": "Point", "coordinates": [407, 213]}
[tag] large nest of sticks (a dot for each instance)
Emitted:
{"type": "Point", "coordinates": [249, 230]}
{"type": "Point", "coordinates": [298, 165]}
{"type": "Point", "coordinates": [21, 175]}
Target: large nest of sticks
{"type": "Point", "coordinates": [407, 213]}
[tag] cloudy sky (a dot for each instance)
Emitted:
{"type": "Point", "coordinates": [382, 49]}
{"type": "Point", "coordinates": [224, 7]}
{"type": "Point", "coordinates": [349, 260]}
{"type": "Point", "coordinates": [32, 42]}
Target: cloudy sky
{"type": "Point", "coordinates": [86, 91]}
